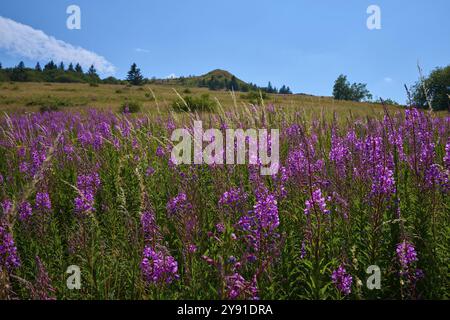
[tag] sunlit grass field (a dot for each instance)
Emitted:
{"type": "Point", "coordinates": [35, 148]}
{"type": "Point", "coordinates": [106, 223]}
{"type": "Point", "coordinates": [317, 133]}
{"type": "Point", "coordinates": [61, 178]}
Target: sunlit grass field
{"type": "Point", "coordinates": [29, 97]}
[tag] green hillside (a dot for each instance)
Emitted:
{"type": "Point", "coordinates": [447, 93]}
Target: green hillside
{"type": "Point", "coordinates": [215, 80]}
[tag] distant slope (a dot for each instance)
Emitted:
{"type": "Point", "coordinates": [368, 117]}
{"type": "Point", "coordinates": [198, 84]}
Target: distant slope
{"type": "Point", "coordinates": [32, 96]}
{"type": "Point", "coordinates": [215, 80]}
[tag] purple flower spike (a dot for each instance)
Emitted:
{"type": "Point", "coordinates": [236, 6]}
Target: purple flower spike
{"type": "Point", "coordinates": [9, 258]}
{"type": "Point", "coordinates": [158, 267]}
{"type": "Point", "coordinates": [25, 211]}
{"type": "Point", "coordinates": [43, 201]}
{"type": "Point", "coordinates": [318, 201]}
{"type": "Point", "coordinates": [342, 280]}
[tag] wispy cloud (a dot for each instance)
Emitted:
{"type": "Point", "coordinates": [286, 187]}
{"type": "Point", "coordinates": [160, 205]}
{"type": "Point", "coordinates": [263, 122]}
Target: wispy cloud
{"type": "Point", "coordinates": [140, 50]}
{"type": "Point", "coordinates": [388, 80]}
{"type": "Point", "coordinates": [22, 40]}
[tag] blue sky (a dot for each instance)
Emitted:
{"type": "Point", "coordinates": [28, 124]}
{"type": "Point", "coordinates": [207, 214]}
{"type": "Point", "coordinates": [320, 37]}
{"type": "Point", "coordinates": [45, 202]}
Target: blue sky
{"type": "Point", "coordinates": [303, 44]}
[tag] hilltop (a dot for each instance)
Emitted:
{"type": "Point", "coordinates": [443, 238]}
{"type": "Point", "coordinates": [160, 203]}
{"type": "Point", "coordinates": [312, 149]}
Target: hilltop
{"type": "Point", "coordinates": [217, 79]}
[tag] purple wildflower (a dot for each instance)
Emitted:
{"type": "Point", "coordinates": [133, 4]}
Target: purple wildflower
{"type": "Point", "coordinates": [43, 201]}
{"type": "Point", "coordinates": [88, 181]}
{"type": "Point", "coordinates": [6, 206]}
{"type": "Point", "coordinates": [87, 185]}
{"type": "Point", "coordinates": [38, 157]}
{"type": "Point", "coordinates": [318, 201]}
{"type": "Point", "coordinates": [303, 250]}
{"type": "Point", "coordinates": [42, 289]}
{"type": "Point", "coordinates": [232, 197]}
{"type": "Point", "coordinates": [436, 176]}
{"type": "Point", "coordinates": [170, 125]}
{"type": "Point", "coordinates": [25, 211]}
{"type": "Point", "coordinates": [149, 227]}
{"type": "Point", "coordinates": [263, 216]}
{"type": "Point", "coordinates": [231, 259]}
{"type": "Point", "coordinates": [23, 167]}
{"type": "Point", "coordinates": [9, 258]}
{"type": "Point", "coordinates": [409, 274]}
{"type": "Point", "coordinates": [158, 267]}
{"type": "Point", "coordinates": [281, 180]}
{"type": "Point", "coordinates": [149, 172]}
{"type": "Point", "coordinates": [160, 152]}
{"type": "Point", "coordinates": [447, 155]}
{"type": "Point", "coordinates": [339, 153]}
{"type": "Point", "coordinates": [233, 200]}
{"type": "Point", "coordinates": [383, 182]}
{"type": "Point", "coordinates": [238, 287]}
{"type": "Point", "coordinates": [406, 254]}
{"type": "Point", "coordinates": [21, 152]}
{"type": "Point", "coordinates": [84, 202]}
{"type": "Point", "coordinates": [220, 228]}
{"type": "Point", "coordinates": [192, 248]}
{"type": "Point", "coordinates": [260, 225]}
{"type": "Point", "coordinates": [266, 210]}
{"type": "Point", "coordinates": [342, 280]}
{"type": "Point", "coordinates": [178, 204]}
{"type": "Point", "coordinates": [68, 150]}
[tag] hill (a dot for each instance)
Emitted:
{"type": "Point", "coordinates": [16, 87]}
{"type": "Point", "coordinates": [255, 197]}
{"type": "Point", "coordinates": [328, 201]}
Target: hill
{"type": "Point", "coordinates": [214, 80]}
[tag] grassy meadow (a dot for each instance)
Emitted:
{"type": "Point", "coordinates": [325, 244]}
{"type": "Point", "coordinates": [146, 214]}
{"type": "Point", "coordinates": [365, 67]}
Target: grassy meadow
{"type": "Point", "coordinates": [19, 97]}
{"type": "Point", "coordinates": [360, 187]}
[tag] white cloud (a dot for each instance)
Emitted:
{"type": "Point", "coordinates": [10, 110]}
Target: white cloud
{"type": "Point", "coordinates": [140, 50]}
{"type": "Point", "coordinates": [22, 40]}
{"type": "Point", "coordinates": [388, 80]}
{"type": "Point", "coordinates": [172, 76]}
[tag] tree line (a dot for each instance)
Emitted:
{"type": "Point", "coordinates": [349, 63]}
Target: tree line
{"type": "Point", "coordinates": [52, 72]}
{"type": "Point", "coordinates": [428, 92]}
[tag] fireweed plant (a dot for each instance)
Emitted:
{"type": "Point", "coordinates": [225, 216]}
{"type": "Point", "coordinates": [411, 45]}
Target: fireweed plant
{"type": "Point", "coordinates": [99, 190]}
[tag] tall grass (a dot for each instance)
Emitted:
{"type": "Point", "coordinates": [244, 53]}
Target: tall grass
{"type": "Point", "coordinates": [351, 192]}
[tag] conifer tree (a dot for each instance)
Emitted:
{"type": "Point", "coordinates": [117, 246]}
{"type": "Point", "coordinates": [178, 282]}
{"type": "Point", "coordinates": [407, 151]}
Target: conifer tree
{"type": "Point", "coordinates": [134, 75]}
{"type": "Point", "coordinates": [78, 68]}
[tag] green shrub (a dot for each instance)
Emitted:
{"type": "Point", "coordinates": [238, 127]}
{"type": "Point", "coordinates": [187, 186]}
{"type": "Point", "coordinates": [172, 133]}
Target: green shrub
{"type": "Point", "coordinates": [67, 78]}
{"type": "Point", "coordinates": [3, 77]}
{"type": "Point", "coordinates": [191, 104]}
{"type": "Point", "coordinates": [131, 107]}
{"type": "Point", "coordinates": [49, 108]}
{"type": "Point", "coordinates": [111, 80]}
{"type": "Point", "coordinates": [255, 97]}
{"type": "Point", "coordinates": [49, 102]}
